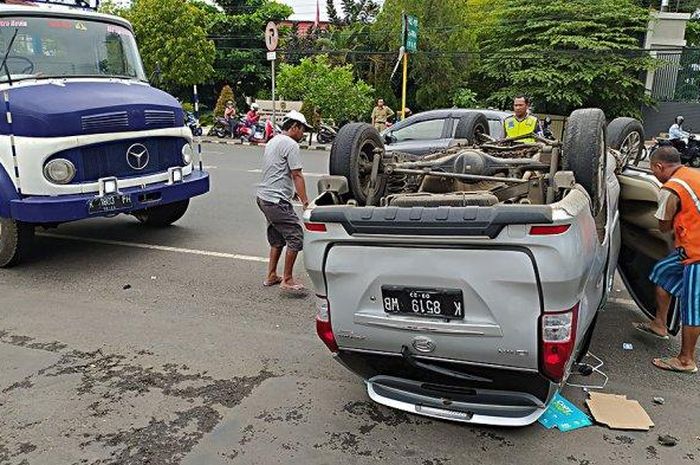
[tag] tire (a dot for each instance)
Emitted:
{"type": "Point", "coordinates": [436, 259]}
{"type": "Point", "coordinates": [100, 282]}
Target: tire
{"type": "Point", "coordinates": [585, 153]}
{"type": "Point", "coordinates": [352, 155]}
{"type": "Point", "coordinates": [627, 136]}
{"type": "Point", "coordinates": [471, 125]}
{"type": "Point", "coordinates": [162, 215]}
{"type": "Point", "coordinates": [15, 241]}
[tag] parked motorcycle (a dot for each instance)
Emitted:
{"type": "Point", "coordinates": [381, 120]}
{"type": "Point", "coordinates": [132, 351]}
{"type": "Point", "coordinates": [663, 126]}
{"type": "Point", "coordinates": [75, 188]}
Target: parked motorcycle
{"type": "Point", "coordinates": [326, 134]}
{"type": "Point", "coordinates": [192, 123]}
{"type": "Point", "coordinates": [547, 128]}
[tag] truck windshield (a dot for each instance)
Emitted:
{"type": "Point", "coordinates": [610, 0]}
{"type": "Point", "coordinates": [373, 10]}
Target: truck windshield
{"type": "Point", "coordinates": [66, 47]}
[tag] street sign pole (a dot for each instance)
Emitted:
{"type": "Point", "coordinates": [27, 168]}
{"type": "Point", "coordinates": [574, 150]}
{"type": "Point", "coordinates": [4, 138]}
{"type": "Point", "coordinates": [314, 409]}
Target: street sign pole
{"type": "Point", "coordinates": [274, 104]}
{"type": "Point", "coordinates": [404, 85]}
{"type": "Point", "coordinates": [271, 42]}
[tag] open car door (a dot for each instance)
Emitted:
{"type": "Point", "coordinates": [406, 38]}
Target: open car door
{"type": "Point", "coordinates": [642, 243]}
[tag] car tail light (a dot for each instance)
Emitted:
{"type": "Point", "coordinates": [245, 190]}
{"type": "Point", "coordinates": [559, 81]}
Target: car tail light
{"type": "Point", "coordinates": [315, 227]}
{"type": "Point", "coordinates": [558, 338]}
{"type": "Point", "coordinates": [323, 323]}
{"type": "Point", "coordinates": [549, 230]}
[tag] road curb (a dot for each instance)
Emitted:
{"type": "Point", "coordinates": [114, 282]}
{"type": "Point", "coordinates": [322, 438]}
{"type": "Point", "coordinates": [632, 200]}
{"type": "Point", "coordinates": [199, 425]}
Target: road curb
{"type": "Point", "coordinates": [324, 148]}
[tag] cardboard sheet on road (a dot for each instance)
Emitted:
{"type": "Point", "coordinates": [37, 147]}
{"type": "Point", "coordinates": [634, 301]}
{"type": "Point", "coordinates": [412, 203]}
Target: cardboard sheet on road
{"type": "Point", "coordinates": [618, 412]}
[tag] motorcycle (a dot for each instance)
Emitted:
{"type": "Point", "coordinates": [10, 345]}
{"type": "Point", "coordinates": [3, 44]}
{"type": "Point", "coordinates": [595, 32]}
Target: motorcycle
{"type": "Point", "coordinates": [222, 128]}
{"type": "Point", "coordinates": [192, 123]}
{"type": "Point", "coordinates": [547, 128]}
{"type": "Point", "coordinates": [326, 134]}
{"type": "Point", "coordinates": [689, 149]}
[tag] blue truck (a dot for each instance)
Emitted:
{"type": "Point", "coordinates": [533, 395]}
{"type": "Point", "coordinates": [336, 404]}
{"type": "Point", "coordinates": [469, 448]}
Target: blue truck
{"type": "Point", "coordinates": [84, 134]}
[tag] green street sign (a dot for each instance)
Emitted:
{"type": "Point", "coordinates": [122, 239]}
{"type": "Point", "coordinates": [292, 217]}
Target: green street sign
{"type": "Point", "coordinates": [410, 33]}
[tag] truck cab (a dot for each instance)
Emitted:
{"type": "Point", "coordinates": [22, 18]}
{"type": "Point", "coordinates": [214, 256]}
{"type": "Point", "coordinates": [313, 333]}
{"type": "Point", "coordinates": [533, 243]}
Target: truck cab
{"type": "Point", "coordinates": [83, 133]}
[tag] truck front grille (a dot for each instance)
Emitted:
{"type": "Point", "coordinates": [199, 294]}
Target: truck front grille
{"type": "Point", "coordinates": [105, 122]}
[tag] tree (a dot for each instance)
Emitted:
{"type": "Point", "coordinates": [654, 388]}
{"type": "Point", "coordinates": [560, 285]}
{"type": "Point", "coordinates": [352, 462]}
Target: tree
{"type": "Point", "coordinates": [333, 90]}
{"type": "Point", "coordinates": [225, 95]}
{"type": "Point", "coordinates": [574, 53]}
{"type": "Point", "coordinates": [448, 42]}
{"type": "Point", "coordinates": [354, 11]}
{"type": "Point", "coordinates": [171, 36]}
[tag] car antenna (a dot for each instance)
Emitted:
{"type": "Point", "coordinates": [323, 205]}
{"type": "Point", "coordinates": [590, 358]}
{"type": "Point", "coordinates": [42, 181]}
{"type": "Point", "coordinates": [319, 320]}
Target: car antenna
{"type": "Point", "coordinates": [7, 54]}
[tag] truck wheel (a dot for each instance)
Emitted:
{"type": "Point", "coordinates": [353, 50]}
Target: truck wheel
{"type": "Point", "coordinates": [15, 240]}
{"type": "Point", "coordinates": [352, 155]}
{"type": "Point", "coordinates": [585, 153]}
{"type": "Point", "coordinates": [627, 136]}
{"type": "Point", "coordinates": [162, 215]}
{"type": "Point", "coordinates": [471, 125]}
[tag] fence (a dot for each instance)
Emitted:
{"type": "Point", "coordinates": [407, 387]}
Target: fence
{"type": "Point", "coordinates": [677, 79]}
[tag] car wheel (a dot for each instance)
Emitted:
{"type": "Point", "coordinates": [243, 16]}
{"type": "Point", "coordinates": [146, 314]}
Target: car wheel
{"type": "Point", "coordinates": [352, 156]}
{"type": "Point", "coordinates": [15, 241]}
{"type": "Point", "coordinates": [627, 136]}
{"type": "Point", "coordinates": [585, 153]}
{"type": "Point", "coordinates": [471, 125]}
{"type": "Point", "coordinates": [162, 215]}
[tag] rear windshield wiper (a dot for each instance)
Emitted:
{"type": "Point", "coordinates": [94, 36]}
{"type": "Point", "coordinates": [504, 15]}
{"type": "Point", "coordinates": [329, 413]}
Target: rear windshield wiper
{"type": "Point", "coordinates": [7, 54]}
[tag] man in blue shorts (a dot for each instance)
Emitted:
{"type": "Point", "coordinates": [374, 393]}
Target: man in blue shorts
{"type": "Point", "coordinates": [678, 274]}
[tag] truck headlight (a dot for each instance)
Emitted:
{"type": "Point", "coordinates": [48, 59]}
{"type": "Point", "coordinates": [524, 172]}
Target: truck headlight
{"type": "Point", "coordinates": [59, 171]}
{"type": "Point", "coordinates": [187, 154]}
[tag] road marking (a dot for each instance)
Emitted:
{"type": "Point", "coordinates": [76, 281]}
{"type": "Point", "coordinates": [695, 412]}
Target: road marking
{"type": "Point", "coordinates": [312, 175]}
{"type": "Point", "coordinates": [629, 302]}
{"type": "Point", "coordinates": [162, 248]}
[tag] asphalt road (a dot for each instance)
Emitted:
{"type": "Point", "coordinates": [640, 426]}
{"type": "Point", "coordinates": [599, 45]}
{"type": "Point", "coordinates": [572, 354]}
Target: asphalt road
{"type": "Point", "coordinates": [123, 345]}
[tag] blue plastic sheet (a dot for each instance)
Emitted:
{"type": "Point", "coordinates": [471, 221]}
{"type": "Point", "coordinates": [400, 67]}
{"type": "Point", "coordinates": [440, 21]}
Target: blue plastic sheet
{"type": "Point", "coordinates": [564, 415]}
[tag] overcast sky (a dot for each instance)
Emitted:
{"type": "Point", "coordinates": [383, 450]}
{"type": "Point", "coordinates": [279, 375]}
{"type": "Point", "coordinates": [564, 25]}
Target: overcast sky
{"type": "Point", "coordinates": [306, 9]}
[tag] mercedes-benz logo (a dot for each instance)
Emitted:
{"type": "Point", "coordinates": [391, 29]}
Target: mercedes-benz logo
{"type": "Point", "coordinates": [137, 156]}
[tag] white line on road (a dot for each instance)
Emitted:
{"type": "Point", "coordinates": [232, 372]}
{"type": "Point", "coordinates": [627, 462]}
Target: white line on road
{"type": "Point", "coordinates": [163, 248]}
{"type": "Point", "coordinates": [313, 175]}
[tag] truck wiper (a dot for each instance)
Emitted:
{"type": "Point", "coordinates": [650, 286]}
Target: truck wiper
{"type": "Point", "coordinates": [7, 54]}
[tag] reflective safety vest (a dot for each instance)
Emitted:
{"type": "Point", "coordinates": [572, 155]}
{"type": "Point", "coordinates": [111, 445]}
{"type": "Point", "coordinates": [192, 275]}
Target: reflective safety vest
{"type": "Point", "coordinates": [686, 224]}
{"type": "Point", "coordinates": [515, 128]}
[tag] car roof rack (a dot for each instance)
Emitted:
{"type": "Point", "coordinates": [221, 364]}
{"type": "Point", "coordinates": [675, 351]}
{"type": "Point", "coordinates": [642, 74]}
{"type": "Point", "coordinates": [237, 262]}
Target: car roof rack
{"type": "Point", "coordinates": [84, 4]}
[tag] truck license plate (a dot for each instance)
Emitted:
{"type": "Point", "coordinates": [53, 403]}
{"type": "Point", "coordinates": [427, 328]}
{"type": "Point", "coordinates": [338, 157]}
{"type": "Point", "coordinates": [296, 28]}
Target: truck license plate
{"type": "Point", "coordinates": [436, 303]}
{"type": "Point", "coordinates": [109, 203]}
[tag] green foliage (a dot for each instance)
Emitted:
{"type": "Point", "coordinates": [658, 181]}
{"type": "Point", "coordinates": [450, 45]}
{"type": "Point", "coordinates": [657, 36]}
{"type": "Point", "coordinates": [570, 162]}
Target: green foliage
{"type": "Point", "coordinates": [225, 95]}
{"type": "Point", "coordinates": [448, 38]}
{"type": "Point", "coordinates": [464, 98]}
{"type": "Point", "coordinates": [692, 33]}
{"type": "Point", "coordinates": [187, 106]}
{"type": "Point", "coordinates": [353, 12]}
{"type": "Point", "coordinates": [331, 89]}
{"type": "Point", "coordinates": [574, 53]}
{"type": "Point", "coordinates": [171, 35]}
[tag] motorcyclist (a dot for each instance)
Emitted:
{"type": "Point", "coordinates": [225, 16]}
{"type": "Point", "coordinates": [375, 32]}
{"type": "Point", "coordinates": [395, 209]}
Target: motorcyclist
{"type": "Point", "coordinates": [252, 117]}
{"type": "Point", "coordinates": [230, 117]}
{"type": "Point", "coordinates": [677, 135]}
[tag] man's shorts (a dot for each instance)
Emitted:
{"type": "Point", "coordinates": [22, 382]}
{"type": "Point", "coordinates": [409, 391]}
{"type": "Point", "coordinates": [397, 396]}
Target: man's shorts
{"type": "Point", "coordinates": [283, 227]}
{"type": "Point", "coordinates": [683, 281]}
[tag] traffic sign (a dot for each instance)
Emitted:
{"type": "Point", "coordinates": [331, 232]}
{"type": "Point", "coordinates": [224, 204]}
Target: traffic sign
{"type": "Point", "coordinates": [271, 56]}
{"type": "Point", "coordinates": [410, 33]}
{"type": "Point", "coordinates": [272, 36]}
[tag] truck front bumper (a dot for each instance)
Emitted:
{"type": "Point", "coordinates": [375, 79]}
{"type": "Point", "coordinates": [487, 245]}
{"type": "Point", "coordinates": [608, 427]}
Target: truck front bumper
{"type": "Point", "coordinates": [64, 208]}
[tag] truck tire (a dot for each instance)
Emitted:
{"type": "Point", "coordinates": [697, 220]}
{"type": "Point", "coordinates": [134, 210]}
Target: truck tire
{"type": "Point", "coordinates": [585, 153]}
{"type": "Point", "coordinates": [15, 241]}
{"type": "Point", "coordinates": [352, 155]}
{"type": "Point", "coordinates": [627, 136]}
{"type": "Point", "coordinates": [162, 215]}
{"type": "Point", "coordinates": [471, 125]}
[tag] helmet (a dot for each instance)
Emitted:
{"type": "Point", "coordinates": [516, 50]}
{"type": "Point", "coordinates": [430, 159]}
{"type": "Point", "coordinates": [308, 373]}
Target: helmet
{"type": "Point", "coordinates": [255, 106]}
{"type": "Point", "coordinates": [679, 119]}
{"type": "Point", "coordinates": [298, 117]}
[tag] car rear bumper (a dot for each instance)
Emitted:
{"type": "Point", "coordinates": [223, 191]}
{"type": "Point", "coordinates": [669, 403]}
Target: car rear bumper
{"type": "Point", "coordinates": [64, 208]}
{"type": "Point", "coordinates": [473, 394]}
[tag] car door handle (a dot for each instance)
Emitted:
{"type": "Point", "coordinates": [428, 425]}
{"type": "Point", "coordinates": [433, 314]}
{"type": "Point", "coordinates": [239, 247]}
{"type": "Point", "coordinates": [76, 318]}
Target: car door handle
{"type": "Point", "coordinates": [408, 356]}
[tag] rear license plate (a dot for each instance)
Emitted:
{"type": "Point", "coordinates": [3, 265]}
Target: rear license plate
{"type": "Point", "coordinates": [435, 303]}
{"type": "Point", "coordinates": [109, 203]}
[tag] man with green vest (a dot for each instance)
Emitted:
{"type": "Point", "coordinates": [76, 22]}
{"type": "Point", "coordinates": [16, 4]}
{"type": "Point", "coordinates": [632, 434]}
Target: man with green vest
{"type": "Point", "coordinates": [522, 122]}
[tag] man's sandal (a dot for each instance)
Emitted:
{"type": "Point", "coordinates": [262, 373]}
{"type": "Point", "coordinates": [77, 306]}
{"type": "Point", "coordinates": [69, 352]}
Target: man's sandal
{"type": "Point", "coordinates": [673, 364]}
{"type": "Point", "coordinates": [649, 331]}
